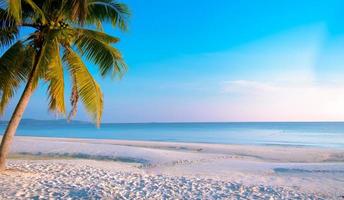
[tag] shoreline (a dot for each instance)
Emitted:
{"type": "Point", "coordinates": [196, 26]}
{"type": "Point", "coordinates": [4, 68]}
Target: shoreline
{"type": "Point", "coordinates": [271, 153]}
{"type": "Point", "coordinates": [297, 170]}
{"type": "Point", "coordinates": [339, 147]}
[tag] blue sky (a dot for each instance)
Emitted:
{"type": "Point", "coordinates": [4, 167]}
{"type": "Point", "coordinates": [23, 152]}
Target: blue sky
{"type": "Point", "coordinates": [224, 60]}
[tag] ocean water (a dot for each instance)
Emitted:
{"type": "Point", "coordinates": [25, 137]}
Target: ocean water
{"type": "Point", "coordinates": [320, 134]}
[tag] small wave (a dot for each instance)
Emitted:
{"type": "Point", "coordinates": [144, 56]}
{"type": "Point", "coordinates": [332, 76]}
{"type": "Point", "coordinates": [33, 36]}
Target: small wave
{"type": "Point", "coordinates": [296, 170]}
{"type": "Point", "coordinates": [87, 156]}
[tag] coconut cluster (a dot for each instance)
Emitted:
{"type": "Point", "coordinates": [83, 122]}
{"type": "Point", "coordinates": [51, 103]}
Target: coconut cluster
{"type": "Point", "coordinates": [57, 25]}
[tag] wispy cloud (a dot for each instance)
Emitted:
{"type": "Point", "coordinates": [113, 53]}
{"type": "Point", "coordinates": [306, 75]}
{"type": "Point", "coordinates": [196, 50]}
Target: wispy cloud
{"type": "Point", "coordinates": [246, 86]}
{"type": "Point", "coordinates": [289, 101]}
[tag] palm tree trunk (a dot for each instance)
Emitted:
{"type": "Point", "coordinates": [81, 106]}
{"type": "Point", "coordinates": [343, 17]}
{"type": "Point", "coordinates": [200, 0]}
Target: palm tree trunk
{"type": "Point", "coordinates": [12, 126]}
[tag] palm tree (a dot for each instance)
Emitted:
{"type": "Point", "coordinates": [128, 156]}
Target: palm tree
{"type": "Point", "coordinates": [64, 32]}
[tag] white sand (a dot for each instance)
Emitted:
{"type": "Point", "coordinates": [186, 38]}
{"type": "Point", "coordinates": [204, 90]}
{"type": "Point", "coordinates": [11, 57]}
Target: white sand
{"type": "Point", "coordinates": [157, 170]}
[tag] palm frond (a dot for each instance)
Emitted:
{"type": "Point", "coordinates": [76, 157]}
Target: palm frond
{"type": "Point", "coordinates": [95, 46]}
{"type": "Point", "coordinates": [19, 9]}
{"type": "Point", "coordinates": [15, 66]}
{"type": "Point", "coordinates": [8, 36]}
{"type": "Point", "coordinates": [46, 55]}
{"type": "Point", "coordinates": [38, 12]}
{"type": "Point", "coordinates": [54, 75]}
{"type": "Point", "coordinates": [79, 10]}
{"type": "Point", "coordinates": [8, 29]}
{"type": "Point", "coordinates": [15, 9]}
{"type": "Point", "coordinates": [97, 35]}
{"type": "Point", "coordinates": [110, 11]}
{"type": "Point", "coordinates": [99, 25]}
{"type": "Point", "coordinates": [87, 87]}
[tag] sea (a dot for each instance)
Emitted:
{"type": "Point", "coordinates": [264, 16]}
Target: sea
{"type": "Point", "coordinates": [317, 134]}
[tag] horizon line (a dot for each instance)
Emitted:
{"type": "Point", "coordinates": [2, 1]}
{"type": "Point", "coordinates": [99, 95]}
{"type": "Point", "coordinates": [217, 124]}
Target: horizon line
{"type": "Point", "coordinates": [181, 122]}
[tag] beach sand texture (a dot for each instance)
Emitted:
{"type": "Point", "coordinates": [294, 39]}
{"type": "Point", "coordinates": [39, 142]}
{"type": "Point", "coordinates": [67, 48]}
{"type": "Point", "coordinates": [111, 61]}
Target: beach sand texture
{"type": "Point", "coordinates": [42, 168]}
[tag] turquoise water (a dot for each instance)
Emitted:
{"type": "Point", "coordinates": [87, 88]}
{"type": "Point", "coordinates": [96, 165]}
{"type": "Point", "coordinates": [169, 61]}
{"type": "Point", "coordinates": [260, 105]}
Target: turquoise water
{"type": "Point", "coordinates": [323, 134]}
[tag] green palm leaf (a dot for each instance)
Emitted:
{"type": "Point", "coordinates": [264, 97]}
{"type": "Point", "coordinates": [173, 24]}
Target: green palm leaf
{"type": "Point", "coordinates": [54, 75]}
{"type": "Point", "coordinates": [87, 87]}
{"type": "Point", "coordinates": [103, 37]}
{"type": "Point", "coordinates": [8, 29]}
{"type": "Point", "coordinates": [15, 66]}
{"type": "Point", "coordinates": [79, 10]}
{"type": "Point", "coordinates": [47, 54]}
{"type": "Point", "coordinates": [38, 12]}
{"type": "Point", "coordinates": [110, 11]}
{"type": "Point", "coordinates": [15, 10]}
{"type": "Point", "coordinates": [95, 46]}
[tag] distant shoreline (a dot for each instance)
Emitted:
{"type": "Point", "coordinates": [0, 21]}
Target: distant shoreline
{"type": "Point", "coordinates": [164, 122]}
{"type": "Point", "coordinates": [52, 138]}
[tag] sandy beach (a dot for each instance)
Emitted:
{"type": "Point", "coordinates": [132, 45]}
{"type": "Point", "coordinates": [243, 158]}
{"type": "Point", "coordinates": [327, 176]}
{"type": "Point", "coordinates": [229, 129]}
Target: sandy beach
{"type": "Point", "coordinates": [60, 168]}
